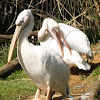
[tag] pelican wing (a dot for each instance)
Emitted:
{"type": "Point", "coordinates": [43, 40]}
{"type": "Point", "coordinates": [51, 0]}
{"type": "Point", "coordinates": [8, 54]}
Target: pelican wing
{"type": "Point", "coordinates": [76, 39]}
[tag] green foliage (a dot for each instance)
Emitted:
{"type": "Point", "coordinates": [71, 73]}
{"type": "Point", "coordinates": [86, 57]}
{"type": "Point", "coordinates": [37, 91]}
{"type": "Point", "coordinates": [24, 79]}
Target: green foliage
{"type": "Point", "coordinates": [96, 73]}
{"type": "Point", "coordinates": [99, 97]}
{"type": "Point", "coordinates": [4, 49]}
{"type": "Point", "coordinates": [18, 74]}
{"type": "Point", "coordinates": [3, 55]}
{"type": "Point", "coordinates": [16, 89]}
{"type": "Point", "coordinates": [17, 86]}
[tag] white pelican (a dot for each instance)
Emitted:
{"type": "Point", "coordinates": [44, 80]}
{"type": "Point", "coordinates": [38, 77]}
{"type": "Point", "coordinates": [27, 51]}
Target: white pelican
{"type": "Point", "coordinates": [76, 39]}
{"type": "Point", "coordinates": [46, 68]}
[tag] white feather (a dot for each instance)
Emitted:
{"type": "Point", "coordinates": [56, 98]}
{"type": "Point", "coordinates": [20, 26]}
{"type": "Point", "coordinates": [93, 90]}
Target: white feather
{"type": "Point", "coordinates": [76, 39]}
{"type": "Point", "coordinates": [68, 32]}
{"type": "Point", "coordinates": [45, 67]}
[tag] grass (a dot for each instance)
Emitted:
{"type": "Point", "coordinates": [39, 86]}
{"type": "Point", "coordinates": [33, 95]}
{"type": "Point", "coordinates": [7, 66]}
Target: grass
{"type": "Point", "coordinates": [96, 73]}
{"type": "Point", "coordinates": [17, 86]}
{"type": "Point", "coordinates": [18, 74]}
{"type": "Point", "coordinates": [16, 89]}
{"type": "Point", "coordinates": [4, 54]}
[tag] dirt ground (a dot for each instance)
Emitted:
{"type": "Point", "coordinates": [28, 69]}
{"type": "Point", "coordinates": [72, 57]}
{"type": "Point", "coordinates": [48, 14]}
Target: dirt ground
{"type": "Point", "coordinates": [80, 80]}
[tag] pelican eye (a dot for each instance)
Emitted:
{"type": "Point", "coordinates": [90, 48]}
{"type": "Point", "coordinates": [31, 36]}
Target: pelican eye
{"type": "Point", "coordinates": [54, 28]}
{"type": "Point", "coordinates": [19, 23]}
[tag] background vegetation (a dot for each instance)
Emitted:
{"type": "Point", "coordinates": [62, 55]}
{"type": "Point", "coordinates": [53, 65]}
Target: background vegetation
{"type": "Point", "coordinates": [83, 14]}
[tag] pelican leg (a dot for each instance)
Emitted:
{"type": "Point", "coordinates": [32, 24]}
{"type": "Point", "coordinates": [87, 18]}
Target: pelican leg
{"type": "Point", "coordinates": [68, 92]}
{"type": "Point", "coordinates": [67, 95]}
{"type": "Point", "coordinates": [37, 95]}
{"type": "Point", "coordinates": [49, 90]}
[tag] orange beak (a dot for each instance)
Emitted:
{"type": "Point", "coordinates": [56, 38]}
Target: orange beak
{"type": "Point", "coordinates": [59, 37]}
{"type": "Point", "coordinates": [13, 42]}
{"type": "Point", "coordinates": [66, 43]}
{"type": "Point", "coordinates": [60, 43]}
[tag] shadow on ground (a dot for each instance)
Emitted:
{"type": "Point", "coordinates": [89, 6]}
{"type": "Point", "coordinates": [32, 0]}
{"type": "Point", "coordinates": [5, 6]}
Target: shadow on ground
{"type": "Point", "coordinates": [77, 71]}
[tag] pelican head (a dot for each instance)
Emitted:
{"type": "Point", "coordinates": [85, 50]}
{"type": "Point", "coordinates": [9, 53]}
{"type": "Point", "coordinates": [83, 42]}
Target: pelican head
{"type": "Point", "coordinates": [51, 27]}
{"type": "Point", "coordinates": [49, 24]}
{"type": "Point", "coordinates": [23, 17]}
{"type": "Point", "coordinates": [22, 22]}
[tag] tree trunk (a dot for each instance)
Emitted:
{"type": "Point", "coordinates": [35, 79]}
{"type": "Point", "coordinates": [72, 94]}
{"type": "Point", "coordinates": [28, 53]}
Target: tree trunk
{"type": "Point", "coordinates": [7, 38]}
{"type": "Point", "coordinates": [9, 68]}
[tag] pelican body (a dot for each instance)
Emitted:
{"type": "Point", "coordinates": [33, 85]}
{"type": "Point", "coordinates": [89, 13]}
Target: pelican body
{"type": "Point", "coordinates": [72, 36]}
{"type": "Point", "coordinates": [76, 39]}
{"type": "Point", "coordinates": [46, 68]}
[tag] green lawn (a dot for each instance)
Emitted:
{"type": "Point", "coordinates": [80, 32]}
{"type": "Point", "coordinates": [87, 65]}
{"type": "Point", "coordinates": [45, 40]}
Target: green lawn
{"type": "Point", "coordinates": [17, 86]}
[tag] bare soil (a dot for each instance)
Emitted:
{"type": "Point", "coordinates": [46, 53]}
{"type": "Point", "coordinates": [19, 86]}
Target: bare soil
{"type": "Point", "coordinates": [80, 80]}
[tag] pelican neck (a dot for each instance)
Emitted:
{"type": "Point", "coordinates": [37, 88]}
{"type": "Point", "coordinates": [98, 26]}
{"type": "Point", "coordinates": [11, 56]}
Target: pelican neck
{"type": "Point", "coordinates": [24, 35]}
